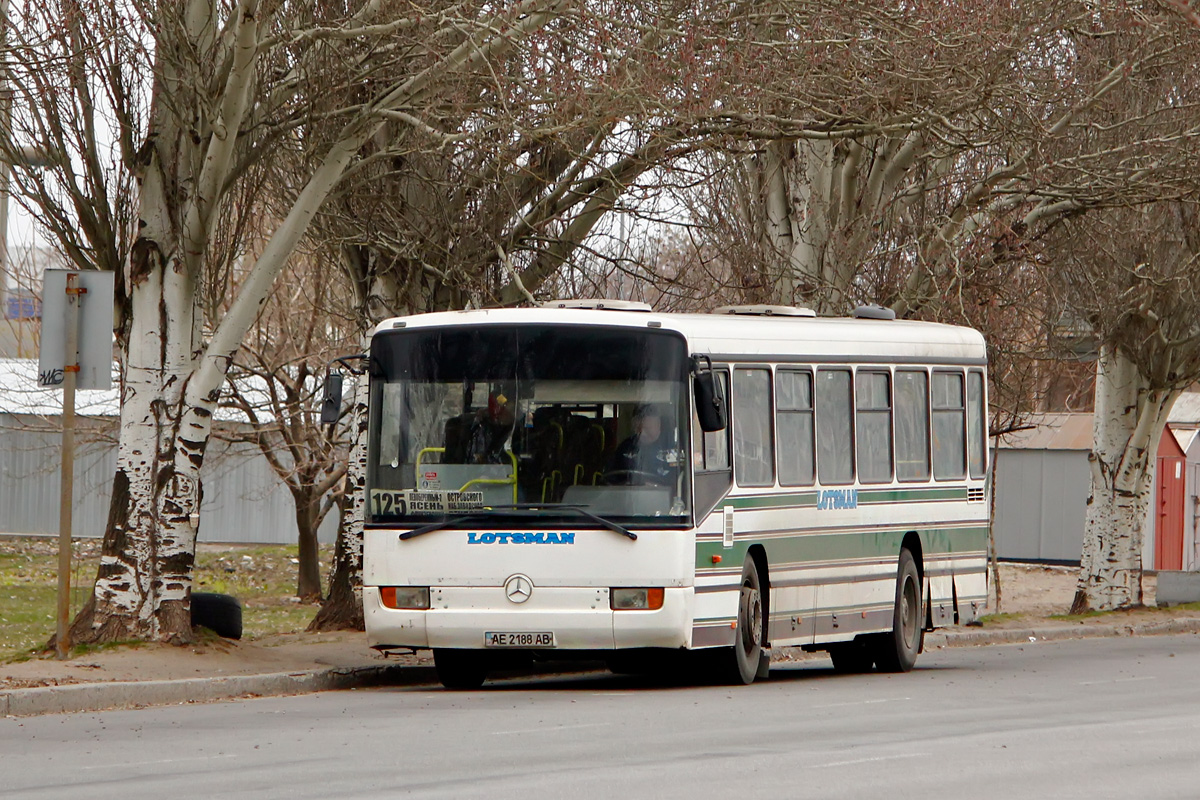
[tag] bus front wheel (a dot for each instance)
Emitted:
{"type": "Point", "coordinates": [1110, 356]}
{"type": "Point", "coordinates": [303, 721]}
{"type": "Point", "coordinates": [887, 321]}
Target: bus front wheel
{"type": "Point", "coordinates": [460, 669]}
{"type": "Point", "coordinates": [744, 665]}
{"type": "Point", "coordinates": [897, 651]}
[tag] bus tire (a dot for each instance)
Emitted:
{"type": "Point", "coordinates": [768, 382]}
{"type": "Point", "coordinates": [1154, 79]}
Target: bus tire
{"type": "Point", "coordinates": [743, 663]}
{"type": "Point", "coordinates": [460, 669]}
{"type": "Point", "coordinates": [897, 651]}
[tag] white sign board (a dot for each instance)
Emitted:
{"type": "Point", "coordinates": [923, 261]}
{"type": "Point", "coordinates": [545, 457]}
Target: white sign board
{"type": "Point", "coordinates": [95, 329]}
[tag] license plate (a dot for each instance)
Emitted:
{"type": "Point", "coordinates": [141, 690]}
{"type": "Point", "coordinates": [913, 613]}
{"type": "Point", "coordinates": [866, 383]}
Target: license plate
{"type": "Point", "coordinates": [517, 639]}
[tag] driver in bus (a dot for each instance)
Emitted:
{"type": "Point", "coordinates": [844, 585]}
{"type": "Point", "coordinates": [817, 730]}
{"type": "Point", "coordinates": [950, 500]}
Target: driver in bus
{"type": "Point", "coordinates": [648, 456]}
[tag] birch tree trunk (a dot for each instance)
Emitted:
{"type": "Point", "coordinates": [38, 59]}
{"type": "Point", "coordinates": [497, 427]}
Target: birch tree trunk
{"type": "Point", "coordinates": [143, 582]}
{"type": "Point", "coordinates": [796, 185]}
{"type": "Point", "coordinates": [172, 379]}
{"type": "Point", "coordinates": [819, 206]}
{"type": "Point", "coordinates": [144, 579]}
{"type": "Point", "coordinates": [1128, 423]}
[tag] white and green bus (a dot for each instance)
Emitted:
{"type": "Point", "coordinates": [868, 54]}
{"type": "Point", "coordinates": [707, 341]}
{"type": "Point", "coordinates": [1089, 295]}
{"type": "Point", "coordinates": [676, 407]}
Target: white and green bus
{"type": "Point", "coordinates": [596, 478]}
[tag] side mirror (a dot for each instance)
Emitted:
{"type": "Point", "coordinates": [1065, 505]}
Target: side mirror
{"type": "Point", "coordinates": [710, 404]}
{"type": "Point", "coordinates": [331, 403]}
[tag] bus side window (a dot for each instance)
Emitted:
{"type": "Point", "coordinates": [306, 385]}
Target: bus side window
{"type": "Point", "coordinates": [710, 458]}
{"type": "Point", "coordinates": [794, 423]}
{"type": "Point", "coordinates": [753, 442]}
{"type": "Point", "coordinates": [976, 425]}
{"type": "Point", "coordinates": [873, 425]}
{"type": "Point", "coordinates": [912, 425]}
{"type": "Point", "coordinates": [835, 434]}
{"type": "Point", "coordinates": [710, 451]}
{"type": "Point", "coordinates": [949, 426]}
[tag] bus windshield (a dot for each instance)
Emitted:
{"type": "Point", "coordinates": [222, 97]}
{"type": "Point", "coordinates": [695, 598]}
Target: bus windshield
{"type": "Point", "coordinates": [527, 419]}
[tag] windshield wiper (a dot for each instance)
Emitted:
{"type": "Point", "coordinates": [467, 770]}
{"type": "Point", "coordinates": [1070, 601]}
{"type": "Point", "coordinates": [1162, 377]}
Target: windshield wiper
{"type": "Point", "coordinates": [582, 511]}
{"type": "Point", "coordinates": [482, 513]}
{"type": "Point", "coordinates": [518, 510]}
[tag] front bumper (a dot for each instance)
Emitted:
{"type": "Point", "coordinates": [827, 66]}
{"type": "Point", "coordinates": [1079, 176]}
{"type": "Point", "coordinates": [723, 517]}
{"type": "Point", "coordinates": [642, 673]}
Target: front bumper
{"type": "Point", "coordinates": [579, 618]}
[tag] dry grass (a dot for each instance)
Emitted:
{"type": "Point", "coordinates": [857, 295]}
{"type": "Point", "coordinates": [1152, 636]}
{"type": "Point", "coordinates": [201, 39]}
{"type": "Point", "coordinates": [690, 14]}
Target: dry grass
{"type": "Point", "coordinates": [263, 577]}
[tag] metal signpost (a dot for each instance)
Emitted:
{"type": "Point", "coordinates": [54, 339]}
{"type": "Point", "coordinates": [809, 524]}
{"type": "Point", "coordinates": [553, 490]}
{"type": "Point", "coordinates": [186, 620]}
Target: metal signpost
{"type": "Point", "coordinates": [68, 319]}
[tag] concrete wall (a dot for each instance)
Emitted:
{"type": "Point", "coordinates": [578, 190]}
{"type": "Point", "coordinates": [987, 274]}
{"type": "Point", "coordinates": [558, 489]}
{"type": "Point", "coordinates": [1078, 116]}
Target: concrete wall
{"type": "Point", "coordinates": [1041, 502]}
{"type": "Point", "coordinates": [243, 499]}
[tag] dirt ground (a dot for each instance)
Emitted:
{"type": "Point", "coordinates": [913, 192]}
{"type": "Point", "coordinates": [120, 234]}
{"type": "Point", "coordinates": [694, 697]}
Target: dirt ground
{"type": "Point", "coordinates": [1032, 590]}
{"type": "Point", "coordinates": [1030, 596]}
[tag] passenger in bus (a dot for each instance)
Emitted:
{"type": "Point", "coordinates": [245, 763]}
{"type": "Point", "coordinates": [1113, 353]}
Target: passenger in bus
{"type": "Point", "coordinates": [490, 430]}
{"type": "Point", "coordinates": [648, 456]}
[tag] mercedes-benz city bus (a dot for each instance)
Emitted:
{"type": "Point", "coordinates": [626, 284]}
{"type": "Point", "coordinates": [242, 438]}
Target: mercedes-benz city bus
{"type": "Point", "coordinates": [601, 479]}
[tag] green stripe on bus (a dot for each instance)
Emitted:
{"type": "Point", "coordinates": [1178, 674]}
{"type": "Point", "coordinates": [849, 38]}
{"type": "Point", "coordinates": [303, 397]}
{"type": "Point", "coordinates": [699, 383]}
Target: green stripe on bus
{"type": "Point", "coordinates": [808, 499]}
{"type": "Point", "coordinates": [793, 500]}
{"type": "Point", "coordinates": [854, 544]}
{"type": "Point", "coordinates": [894, 495]}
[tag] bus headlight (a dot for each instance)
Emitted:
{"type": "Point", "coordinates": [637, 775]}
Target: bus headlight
{"type": "Point", "coordinates": [404, 596]}
{"type": "Point", "coordinates": [635, 599]}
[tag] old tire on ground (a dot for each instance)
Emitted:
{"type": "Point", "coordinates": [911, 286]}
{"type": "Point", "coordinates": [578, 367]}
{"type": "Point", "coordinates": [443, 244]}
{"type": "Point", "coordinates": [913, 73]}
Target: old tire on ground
{"type": "Point", "coordinates": [460, 669]}
{"type": "Point", "coordinates": [852, 657]}
{"type": "Point", "coordinates": [220, 613]}
{"type": "Point", "coordinates": [897, 651]}
{"type": "Point", "coordinates": [742, 664]}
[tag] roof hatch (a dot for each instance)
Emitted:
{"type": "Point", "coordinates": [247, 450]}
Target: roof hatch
{"type": "Point", "coordinates": [599, 304]}
{"type": "Point", "coordinates": [763, 310]}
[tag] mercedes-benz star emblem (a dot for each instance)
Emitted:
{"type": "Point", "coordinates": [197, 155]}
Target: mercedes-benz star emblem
{"type": "Point", "coordinates": [518, 588]}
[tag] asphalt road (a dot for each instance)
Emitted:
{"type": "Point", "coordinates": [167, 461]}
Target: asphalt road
{"type": "Point", "coordinates": [1091, 719]}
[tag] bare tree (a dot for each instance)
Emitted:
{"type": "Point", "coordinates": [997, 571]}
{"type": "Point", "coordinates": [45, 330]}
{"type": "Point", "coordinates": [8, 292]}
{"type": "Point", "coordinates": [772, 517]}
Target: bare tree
{"type": "Point", "coordinates": [72, 110]}
{"type": "Point", "coordinates": [200, 92]}
{"type": "Point", "coordinates": [274, 384]}
{"type": "Point", "coordinates": [1017, 119]}
{"type": "Point", "coordinates": [1135, 276]}
{"type": "Point", "coordinates": [492, 198]}
{"type": "Point", "coordinates": [983, 124]}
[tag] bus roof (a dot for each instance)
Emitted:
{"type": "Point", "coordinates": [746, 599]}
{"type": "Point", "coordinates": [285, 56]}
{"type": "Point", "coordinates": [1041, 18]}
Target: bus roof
{"type": "Point", "coordinates": [732, 337]}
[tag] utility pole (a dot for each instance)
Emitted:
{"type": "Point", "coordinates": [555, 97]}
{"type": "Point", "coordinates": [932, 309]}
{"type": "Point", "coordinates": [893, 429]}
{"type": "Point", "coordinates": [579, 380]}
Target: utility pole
{"type": "Point", "coordinates": [62, 639]}
{"type": "Point", "coordinates": [76, 353]}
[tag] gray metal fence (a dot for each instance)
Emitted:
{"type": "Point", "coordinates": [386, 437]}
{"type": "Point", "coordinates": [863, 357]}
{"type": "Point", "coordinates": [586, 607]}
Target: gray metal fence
{"type": "Point", "coordinates": [244, 501]}
{"type": "Point", "coordinates": [1041, 504]}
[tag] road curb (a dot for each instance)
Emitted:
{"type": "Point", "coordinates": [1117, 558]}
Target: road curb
{"type": "Point", "coordinates": [77, 697]}
{"type": "Point", "coordinates": [978, 637]}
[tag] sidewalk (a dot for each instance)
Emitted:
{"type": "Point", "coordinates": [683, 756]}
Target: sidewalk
{"type": "Point", "coordinates": [148, 675]}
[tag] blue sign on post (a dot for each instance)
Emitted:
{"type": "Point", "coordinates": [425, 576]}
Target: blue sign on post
{"type": "Point", "coordinates": [22, 306]}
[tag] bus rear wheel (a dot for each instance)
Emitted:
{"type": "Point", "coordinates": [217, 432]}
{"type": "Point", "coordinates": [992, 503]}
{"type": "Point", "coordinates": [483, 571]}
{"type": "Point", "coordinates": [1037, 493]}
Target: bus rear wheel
{"type": "Point", "coordinates": [460, 669]}
{"type": "Point", "coordinates": [744, 663]}
{"type": "Point", "coordinates": [897, 651]}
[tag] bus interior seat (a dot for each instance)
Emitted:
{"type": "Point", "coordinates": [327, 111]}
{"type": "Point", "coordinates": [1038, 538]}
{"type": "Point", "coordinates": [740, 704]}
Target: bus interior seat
{"type": "Point", "coordinates": [544, 444]}
{"type": "Point", "coordinates": [456, 439]}
{"type": "Point", "coordinates": [584, 451]}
